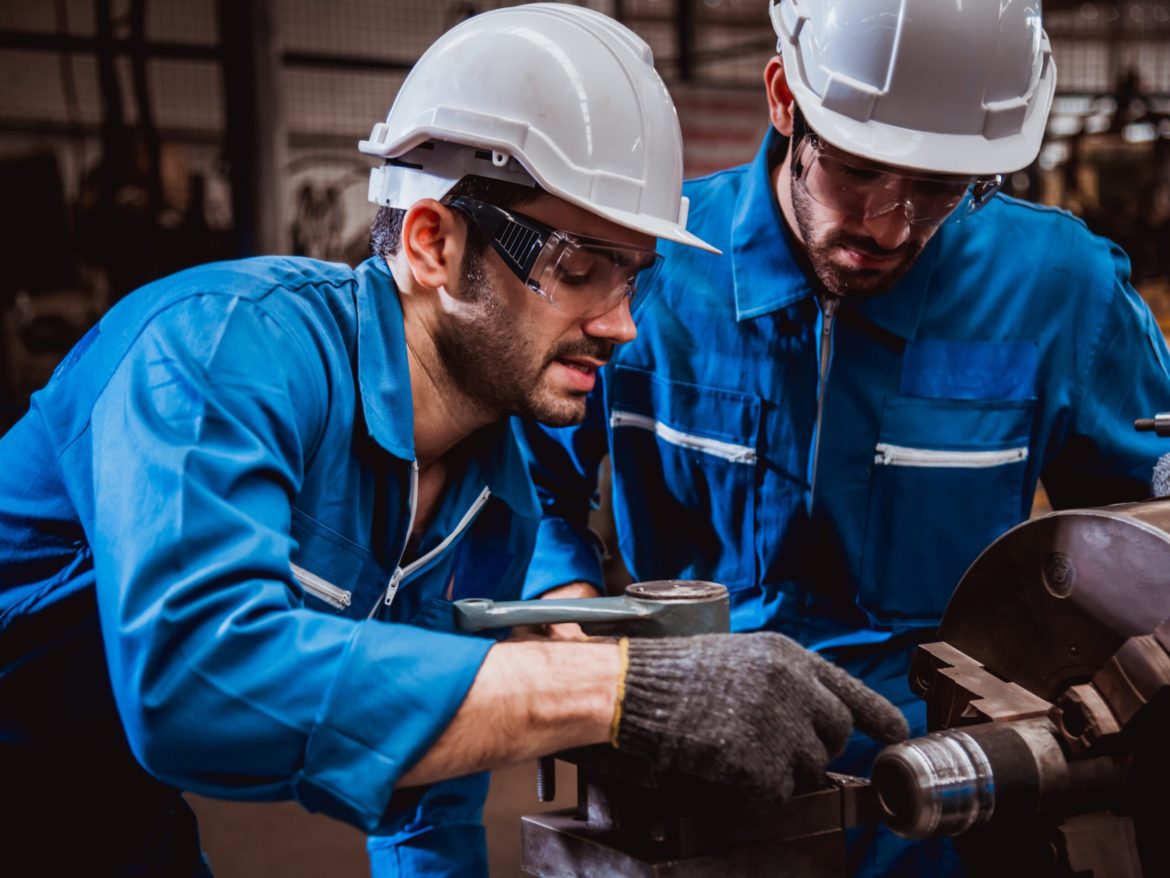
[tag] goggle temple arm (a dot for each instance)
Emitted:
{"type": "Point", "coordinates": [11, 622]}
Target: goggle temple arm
{"type": "Point", "coordinates": [800, 130]}
{"type": "Point", "coordinates": [518, 243]}
{"type": "Point", "coordinates": [982, 191]}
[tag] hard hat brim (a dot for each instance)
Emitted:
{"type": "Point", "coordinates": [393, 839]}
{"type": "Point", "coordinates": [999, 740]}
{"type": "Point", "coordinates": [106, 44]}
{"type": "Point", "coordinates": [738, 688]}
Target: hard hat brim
{"type": "Point", "coordinates": [932, 152]}
{"type": "Point", "coordinates": [654, 226]}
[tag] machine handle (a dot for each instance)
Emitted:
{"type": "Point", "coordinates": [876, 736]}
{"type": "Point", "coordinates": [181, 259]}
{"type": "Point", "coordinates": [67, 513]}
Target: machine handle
{"type": "Point", "coordinates": [481, 614]}
{"type": "Point", "coordinates": [660, 608]}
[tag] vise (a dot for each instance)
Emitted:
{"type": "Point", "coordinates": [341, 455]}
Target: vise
{"type": "Point", "coordinates": [631, 820]}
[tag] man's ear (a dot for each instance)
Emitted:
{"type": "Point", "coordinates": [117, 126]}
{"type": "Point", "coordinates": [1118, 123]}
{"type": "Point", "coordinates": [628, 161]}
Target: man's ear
{"type": "Point", "coordinates": [780, 101]}
{"type": "Point", "coordinates": [432, 243]}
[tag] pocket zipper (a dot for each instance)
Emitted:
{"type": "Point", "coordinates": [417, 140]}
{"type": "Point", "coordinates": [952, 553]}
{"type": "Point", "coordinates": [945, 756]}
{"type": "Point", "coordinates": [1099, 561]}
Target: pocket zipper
{"type": "Point", "coordinates": [726, 450]}
{"type": "Point", "coordinates": [326, 591]}
{"type": "Point", "coordinates": [899, 455]}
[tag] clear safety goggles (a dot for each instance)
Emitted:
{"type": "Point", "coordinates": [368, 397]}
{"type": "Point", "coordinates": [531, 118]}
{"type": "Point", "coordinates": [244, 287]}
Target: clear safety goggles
{"type": "Point", "coordinates": [582, 276]}
{"type": "Point", "coordinates": [860, 188]}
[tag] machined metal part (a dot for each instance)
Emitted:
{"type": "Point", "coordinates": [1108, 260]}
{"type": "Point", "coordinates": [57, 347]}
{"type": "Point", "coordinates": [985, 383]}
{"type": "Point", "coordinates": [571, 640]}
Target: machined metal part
{"type": "Point", "coordinates": [1093, 712]}
{"type": "Point", "coordinates": [546, 778]}
{"type": "Point", "coordinates": [1047, 694]}
{"type": "Point", "coordinates": [1047, 604]}
{"type": "Point", "coordinates": [959, 690]}
{"type": "Point", "coordinates": [558, 844]}
{"type": "Point", "coordinates": [633, 821]}
{"type": "Point", "coordinates": [1159, 423]}
{"type": "Point", "coordinates": [947, 782]}
{"type": "Point", "coordinates": [661, 608]}
{"type": "Point", "coordinates": [941, 784]}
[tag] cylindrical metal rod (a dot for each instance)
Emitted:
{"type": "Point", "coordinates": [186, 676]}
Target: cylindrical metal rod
{"type": "Point", "coordinates": [546, 778]}
{"type": "Point", "coordinates": [948, 782]}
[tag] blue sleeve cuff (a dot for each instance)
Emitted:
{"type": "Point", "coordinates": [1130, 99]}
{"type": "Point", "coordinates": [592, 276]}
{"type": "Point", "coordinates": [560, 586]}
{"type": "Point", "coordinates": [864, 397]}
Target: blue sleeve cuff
{"type": "Point", "coordinates": [442, 835]}
{"type": "Point", "coordinates": [397, 690]}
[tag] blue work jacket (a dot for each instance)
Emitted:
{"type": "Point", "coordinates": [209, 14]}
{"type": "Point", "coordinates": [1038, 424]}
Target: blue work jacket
{"type": "Point", "coordinates": [1015, 349]}
{"type": "Point", "coordinates": [202, 524]}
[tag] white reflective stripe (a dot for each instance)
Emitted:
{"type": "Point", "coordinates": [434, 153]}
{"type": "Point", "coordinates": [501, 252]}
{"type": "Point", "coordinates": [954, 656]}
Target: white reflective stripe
{"type": "Point", "coordinates": [325, 590]}
{"type": "Point", "coordinates": [402, 572]}
{"type": "Point", "coordinates": [726, 450]}
{"type": "Point", "coordinates": [898, 455]}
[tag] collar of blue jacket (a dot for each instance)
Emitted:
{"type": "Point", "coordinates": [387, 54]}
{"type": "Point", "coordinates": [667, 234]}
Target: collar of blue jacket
{"type": "Point", "coordinates": [387, 405]}
{"type": "Point", "coordinates": [761, 245]}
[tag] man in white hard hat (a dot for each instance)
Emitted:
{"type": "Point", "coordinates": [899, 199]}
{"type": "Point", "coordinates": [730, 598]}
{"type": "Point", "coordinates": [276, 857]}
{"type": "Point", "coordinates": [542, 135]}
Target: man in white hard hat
{"type": "Point", "coordinates": [232, 523]}
{"type": "Point", "coordinates": [838, 414]}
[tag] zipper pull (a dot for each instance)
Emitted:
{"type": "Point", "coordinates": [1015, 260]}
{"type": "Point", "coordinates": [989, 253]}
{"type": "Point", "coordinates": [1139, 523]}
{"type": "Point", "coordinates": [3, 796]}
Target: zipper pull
{"type": "Point", "coordinates": [392, 586]}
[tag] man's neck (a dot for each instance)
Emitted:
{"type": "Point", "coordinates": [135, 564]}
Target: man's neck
{"type": "Point", "coordinates": [443, 415]}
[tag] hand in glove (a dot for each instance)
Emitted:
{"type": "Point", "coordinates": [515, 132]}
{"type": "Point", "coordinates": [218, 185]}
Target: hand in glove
{"type": "Point", "coordinates": [755, 711]}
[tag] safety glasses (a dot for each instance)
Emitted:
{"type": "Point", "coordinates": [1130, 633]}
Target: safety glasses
{"type": "Point", "coordinates": [859, 188]}
{"type": "Point", "coordinates": [582, 276]}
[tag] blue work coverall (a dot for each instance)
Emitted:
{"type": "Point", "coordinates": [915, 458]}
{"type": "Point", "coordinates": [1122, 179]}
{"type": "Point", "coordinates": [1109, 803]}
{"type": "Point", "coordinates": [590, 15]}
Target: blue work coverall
{"type": "Point", "coordinates": [202, 525]}
{"type": "Point", "coordinates": [1014, 350]}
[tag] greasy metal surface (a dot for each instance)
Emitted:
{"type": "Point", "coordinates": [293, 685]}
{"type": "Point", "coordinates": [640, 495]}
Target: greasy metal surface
{"type": "Point", "coordinates": [662, 608]}
{"type": "Point", "coordinates": [634, 821]}
{"type": "Point", "coordinates": [1068, 611]}
{"type": "Point", "coordinates": [1047, 604]}
{"type": "Point", "coordinates": [960, 691]}
{"type": "Point", "coordinates": [1102, 845]}
{"type": "Point", "coordinates": [1084, 717]}
{"type": "Point", "coordinates": [676, 590]}
{"type": "Point", "coordinates": [656, 824]}
{"type": "Point", "coordinates": [559, 845]}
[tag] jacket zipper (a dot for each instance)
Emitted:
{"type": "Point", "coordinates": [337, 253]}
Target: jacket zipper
{"type": "Point", "coordinates": [396, 576]}
{"type": "Point", "coordinates": [726, 450]}
{"type": "Point", "coordinates": [898, 455]}
{"type": "Point", "coordinates": [828, 311]}
{"type": "Point", "coordinates": [326, 591]}
{"type": "Point", "coordinates": [400, 572]}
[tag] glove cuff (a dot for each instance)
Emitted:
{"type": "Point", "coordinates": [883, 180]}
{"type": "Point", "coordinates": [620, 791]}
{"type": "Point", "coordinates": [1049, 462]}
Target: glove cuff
{"type": "Point", "coordinates": [623, 669]}
{"type": "Point", "coordinates": [657, 671]}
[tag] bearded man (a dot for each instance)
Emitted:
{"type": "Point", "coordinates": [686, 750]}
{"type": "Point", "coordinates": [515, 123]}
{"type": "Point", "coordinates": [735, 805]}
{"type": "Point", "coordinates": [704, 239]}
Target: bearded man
{"type": "Point", "coordinates": [835, 417]}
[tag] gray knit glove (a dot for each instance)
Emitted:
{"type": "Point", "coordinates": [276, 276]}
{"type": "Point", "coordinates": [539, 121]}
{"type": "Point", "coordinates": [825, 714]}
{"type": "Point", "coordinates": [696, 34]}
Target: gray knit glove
{"type": "Point", "coordinates": [753, 711]}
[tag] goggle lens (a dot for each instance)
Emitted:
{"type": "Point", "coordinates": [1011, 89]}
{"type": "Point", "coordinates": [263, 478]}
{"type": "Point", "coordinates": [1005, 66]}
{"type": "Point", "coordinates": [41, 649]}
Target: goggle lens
{"type": "Point", "coordinates": [857, 188]}
{"type": "Point", "coordinates": [587, 276]}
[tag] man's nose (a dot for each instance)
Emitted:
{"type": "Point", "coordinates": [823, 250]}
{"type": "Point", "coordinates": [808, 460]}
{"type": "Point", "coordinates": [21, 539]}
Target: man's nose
{"type": "Point", "coordinates": [616, 324]}
{"type": "Point", "coordinates": [890, 229]}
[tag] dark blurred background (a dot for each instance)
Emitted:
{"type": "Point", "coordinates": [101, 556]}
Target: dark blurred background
{"type": "Point", "coordinates": [138, 137]}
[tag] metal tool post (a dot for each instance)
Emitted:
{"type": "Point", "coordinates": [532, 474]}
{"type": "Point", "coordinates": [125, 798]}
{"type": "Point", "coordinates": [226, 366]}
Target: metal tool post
{"type": "Point", "coordinates": [633, 821]}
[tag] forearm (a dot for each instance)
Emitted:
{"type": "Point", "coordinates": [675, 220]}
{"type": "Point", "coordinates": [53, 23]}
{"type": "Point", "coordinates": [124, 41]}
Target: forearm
{"type": "Point", "coordinates": [529, 699]}
{"type": "Point", "coordinates": [572, 590]}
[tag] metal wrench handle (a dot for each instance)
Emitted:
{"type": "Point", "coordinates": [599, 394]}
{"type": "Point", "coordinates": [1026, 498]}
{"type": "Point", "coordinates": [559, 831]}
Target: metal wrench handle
{"type": "Point", "coordinates": [662, 608]}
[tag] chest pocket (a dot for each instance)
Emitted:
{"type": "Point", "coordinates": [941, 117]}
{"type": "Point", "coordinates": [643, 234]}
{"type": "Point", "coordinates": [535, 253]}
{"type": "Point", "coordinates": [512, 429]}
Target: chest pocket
{"type": "Point", "coordinates": [684, 460]}
{"type": "Point", "coordinates": [948, 478]}
{"type": "Point", "coordinates": [335, 574]}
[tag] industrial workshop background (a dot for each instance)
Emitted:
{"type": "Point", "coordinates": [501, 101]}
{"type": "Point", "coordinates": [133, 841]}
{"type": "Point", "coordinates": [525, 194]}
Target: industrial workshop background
{"type": "Point", "coordinates": [141, 136]}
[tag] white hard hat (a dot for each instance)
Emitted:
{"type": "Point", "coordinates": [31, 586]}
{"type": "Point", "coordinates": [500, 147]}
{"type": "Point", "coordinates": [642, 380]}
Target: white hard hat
{"type": "Point", "coordinates": [558, 94]}
{"type": "Point", "coordinates": [947, 87]}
